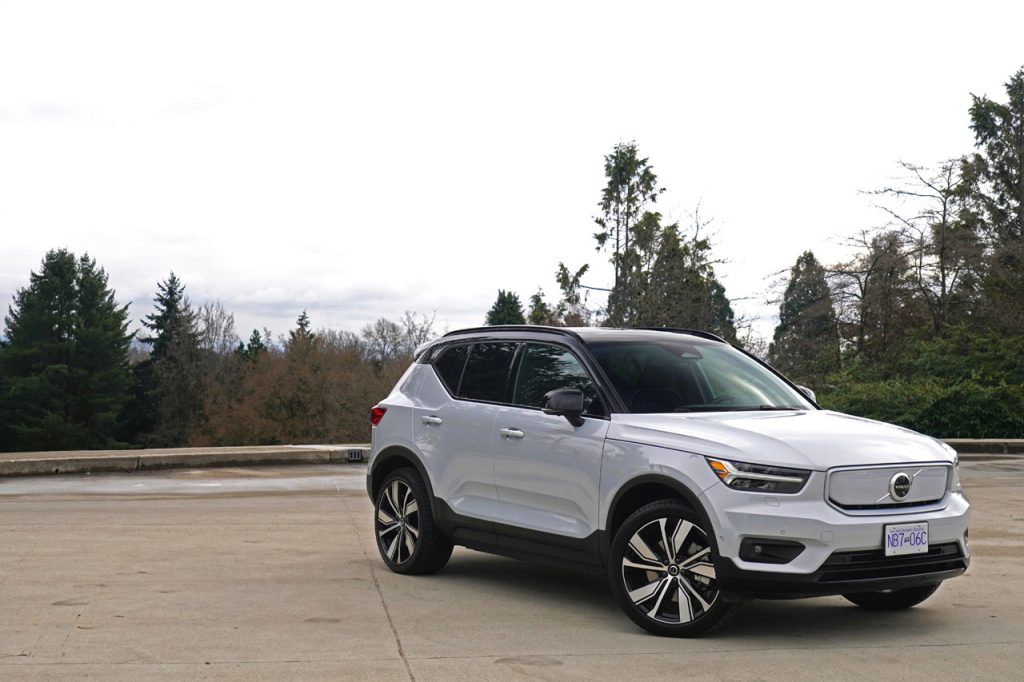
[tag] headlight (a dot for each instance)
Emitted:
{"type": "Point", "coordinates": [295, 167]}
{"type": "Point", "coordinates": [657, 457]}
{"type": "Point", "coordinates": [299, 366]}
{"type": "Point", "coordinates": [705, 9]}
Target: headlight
{"type": "Point", "coordinates": [955, 483]}
{"type": "Point", "coordinates": [758, 477]}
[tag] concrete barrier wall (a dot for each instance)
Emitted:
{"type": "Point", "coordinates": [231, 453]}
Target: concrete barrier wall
{"type": "Point", "coordinates": [99, 461]}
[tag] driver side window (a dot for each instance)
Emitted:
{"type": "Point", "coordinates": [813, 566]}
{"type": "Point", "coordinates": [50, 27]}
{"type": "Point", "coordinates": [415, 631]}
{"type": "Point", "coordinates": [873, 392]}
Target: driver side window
{"type": "Point", "coordinates": [544, 368]}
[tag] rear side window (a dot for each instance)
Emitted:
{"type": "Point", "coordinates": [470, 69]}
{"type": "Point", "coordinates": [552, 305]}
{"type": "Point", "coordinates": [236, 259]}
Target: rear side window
{"type": "Point", "coordinates": [486, 373]}
{"type": "Point", "coordinates": [449, 366]}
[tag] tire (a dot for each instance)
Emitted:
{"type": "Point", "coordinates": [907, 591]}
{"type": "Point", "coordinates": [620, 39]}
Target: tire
{"type": "Point", "coordinates": [408, 538]}
{"type": "Point", "coordinates": [670, 596]}
{"type": "Point", "coordinates": [893, 600]}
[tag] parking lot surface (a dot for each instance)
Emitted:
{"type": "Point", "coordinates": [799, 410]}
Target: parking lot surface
{"type": "Point", "coordinates": [271, 573]}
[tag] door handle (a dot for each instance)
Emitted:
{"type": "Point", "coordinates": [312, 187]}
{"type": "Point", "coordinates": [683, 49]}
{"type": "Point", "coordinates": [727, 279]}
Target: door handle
{"type": "Point", "coordinates": [511, 433]}
{"type": "Point", "coordinates": [435, 421]}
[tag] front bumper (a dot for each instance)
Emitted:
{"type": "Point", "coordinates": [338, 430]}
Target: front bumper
{"type": "Point", "coordinates": [846, 573]}
{"type": "Point", "coordinates": [843, 552]}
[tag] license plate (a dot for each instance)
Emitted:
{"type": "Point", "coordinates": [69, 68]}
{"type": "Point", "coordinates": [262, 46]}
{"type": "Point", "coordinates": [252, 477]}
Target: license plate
{"type": "Point", "coordinates": [906, 538]}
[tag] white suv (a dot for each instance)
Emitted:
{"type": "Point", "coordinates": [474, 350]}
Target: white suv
{"type": "Point", "coordinates": [690, 472]}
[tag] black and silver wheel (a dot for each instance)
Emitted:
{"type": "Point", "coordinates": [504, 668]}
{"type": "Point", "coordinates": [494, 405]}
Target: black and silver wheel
{"type": "Point", "coordinates": [662, 572]}
{"type": "Point", "coordinates": [892, 600]}
{"type": "Point", "coordinates": [408, 539]}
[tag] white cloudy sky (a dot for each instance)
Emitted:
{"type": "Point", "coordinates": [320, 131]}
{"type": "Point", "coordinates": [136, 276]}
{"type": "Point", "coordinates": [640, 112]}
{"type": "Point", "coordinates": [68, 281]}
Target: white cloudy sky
{"type": "Point", "coordinates": [362, 159]}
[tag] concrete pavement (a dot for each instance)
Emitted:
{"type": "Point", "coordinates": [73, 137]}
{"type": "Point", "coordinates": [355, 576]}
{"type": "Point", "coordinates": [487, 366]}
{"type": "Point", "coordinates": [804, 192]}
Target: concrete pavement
{"type": "Point", "coordinates": [271, 573]}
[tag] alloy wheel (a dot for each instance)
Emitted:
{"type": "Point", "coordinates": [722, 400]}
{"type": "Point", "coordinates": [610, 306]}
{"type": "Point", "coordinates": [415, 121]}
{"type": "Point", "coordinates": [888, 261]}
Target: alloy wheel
{"type": "Point", "coordinates": [668, 572]}
{"type": "Point", "coordinates": [397, 522]}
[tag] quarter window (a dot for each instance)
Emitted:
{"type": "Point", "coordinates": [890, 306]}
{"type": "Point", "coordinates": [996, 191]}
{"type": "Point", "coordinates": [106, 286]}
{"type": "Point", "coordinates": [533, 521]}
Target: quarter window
{"type": "Point", "coordinates": [449, 366]}
{"type": "Point", "coordinates": [544, 368]}
{"type": "Point", "coordinates": [486, 373]}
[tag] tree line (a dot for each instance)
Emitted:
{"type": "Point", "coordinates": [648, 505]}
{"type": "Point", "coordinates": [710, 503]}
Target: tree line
{"type": "Point", "coordinates": [72, 375]}
{"type": "Point", "coordinates": [923, 325]}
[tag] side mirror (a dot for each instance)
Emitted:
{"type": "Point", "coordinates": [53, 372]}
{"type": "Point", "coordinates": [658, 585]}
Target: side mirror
{"type": "Point", "coordinates": [809, 393]}
{"type": "Point", "coordinates": [565, 402]}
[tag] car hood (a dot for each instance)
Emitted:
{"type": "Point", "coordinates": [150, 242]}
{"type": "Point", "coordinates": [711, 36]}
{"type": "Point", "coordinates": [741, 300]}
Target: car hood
{"type": "Point", "coordinates": [815, 439]}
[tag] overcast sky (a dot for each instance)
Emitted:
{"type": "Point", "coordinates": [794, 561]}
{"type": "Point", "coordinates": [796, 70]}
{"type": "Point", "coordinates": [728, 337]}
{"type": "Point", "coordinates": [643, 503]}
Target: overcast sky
{"type": "Point", "coordinates": [363, 159]}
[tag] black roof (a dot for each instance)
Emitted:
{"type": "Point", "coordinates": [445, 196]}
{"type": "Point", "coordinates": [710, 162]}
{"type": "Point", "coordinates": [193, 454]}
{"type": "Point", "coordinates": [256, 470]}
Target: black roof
{"type": "Point", "coordinates": [588, 334]}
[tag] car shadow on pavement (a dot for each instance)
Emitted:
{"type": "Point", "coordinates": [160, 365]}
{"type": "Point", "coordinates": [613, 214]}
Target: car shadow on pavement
{"type": "Point", "coordinates": [588, 595]}
{"type": "Point", "coordinates": [528, 581]}
{"type": "Point", "coordinates": [827, 618]}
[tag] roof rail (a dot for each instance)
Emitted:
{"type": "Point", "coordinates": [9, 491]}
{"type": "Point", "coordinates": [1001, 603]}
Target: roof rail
{"type": "Point", "coordinates": [561, 331]}
{"type": "Point", "coordinates": [692, 332]}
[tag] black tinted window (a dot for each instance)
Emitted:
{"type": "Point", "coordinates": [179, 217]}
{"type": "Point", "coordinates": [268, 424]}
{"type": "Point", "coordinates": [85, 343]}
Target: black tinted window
{"type": "Point", "coordinates": [487, 372]}
{"type": "Point", "coordinates": [449, 366]}
{"type": "Point", "coordinates": [545, 368]}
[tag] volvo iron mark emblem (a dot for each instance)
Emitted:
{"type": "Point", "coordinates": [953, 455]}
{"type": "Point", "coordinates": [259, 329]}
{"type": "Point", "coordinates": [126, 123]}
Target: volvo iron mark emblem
{"type": "Point", "coordinates": [899, 486]}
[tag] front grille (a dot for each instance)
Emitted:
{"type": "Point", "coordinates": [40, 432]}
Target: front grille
{"type": "Point", "coordinates": [872, 564]}
{"type": "Point", "coordinates": [866, 490]}
{"type": "Point", "coordinates": [887, 507]}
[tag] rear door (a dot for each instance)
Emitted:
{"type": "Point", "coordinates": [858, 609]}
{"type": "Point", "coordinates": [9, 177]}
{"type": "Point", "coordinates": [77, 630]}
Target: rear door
{"type": "Point", "coordinates": [453, 426]}
{"type": "Point", "coordinates": [547, 471]}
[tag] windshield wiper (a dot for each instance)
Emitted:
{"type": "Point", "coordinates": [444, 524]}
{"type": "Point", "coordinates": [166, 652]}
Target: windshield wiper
{"type": "Point", "coordinates": [785, 408]}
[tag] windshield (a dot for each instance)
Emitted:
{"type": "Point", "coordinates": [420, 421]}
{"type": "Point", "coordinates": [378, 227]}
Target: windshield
{"type": "Point", "coordinates": [678, 375]}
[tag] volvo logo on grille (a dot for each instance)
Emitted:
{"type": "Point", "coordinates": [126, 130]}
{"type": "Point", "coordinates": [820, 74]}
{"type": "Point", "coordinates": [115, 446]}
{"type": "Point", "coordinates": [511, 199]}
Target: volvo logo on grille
{"type": "Point", "coordinates": [899, 486]}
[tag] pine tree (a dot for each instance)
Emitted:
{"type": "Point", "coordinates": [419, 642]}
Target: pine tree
{"type": "Point", "coordinates": [540, 312]}
{"type": "Point", "coordinates": [64, 367]}
{"type": "Point", "coordinates": [995, 181]}
{"type": "Point", "coordinates": [628, 228]}
{"type": "Point", "coordinates": [169, 382]}
{"type": "Point", "coordinates": [172, 319]}
{"type": "Point", "coordinates": [572, 310]}
{"type": "Point", "coordinates": [253, 348]}
{"type": "Point", "coordinates": [683, 290]}
{"type": "Point", "coordinates": [302, 331]}
{"type": "Point", "coordinates": [806, 341]}
{"type": "Point", "coordinates": [507, 309]}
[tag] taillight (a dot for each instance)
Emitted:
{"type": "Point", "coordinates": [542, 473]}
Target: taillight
{"type": "Point", "coordinates": [376, 414]}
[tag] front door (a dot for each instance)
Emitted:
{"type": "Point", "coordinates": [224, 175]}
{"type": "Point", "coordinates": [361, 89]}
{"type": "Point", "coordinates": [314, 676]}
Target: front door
{"type": "Point", "coordinates": [548, 472]}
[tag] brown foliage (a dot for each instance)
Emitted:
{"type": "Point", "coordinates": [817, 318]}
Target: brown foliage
{"type": "Point", "coordinates": [315, 388]}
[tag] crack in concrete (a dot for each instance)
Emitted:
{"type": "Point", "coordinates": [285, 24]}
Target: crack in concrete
{"type": "Point", "coordinates": [380, 593]}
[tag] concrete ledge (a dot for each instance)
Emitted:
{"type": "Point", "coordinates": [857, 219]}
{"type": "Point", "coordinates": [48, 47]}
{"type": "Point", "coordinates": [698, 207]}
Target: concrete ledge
{"type": "Point", "coordinates": [987, 445]}
{"type": "Point", "coordinates": [104, 461]}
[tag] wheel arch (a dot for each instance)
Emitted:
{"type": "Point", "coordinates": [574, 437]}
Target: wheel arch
{"type": "Point", "coordinates": [643, 490]}
{"type": "Point", "coordinates": [391, 459]}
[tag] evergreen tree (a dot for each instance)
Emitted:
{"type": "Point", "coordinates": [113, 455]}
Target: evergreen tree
{"type": "Point", "coordinates": [540, 312]}
{"type": "Point", "coordinates": [806, 341]}
{"type": "Point", "coordinates": [64, 367]}
{"type": "Point", "coordinates": [253, 347]}
{"type": "Point", "coordinates": [995, 181]}
{"type": "Point", "coordinates": [683, 290]}
{"type": "Point", "coordinates": [169, 382]}
{"type": "Point", "coordinates": [571, 310]}
{"type": "Point", "coordinates": [628, 228]}
{"type": "Point", "coordinates": [507, 309]}
{"type": "Point", "coordinates": [172, 319]}
{"type": "Point", "coordinates": [302, 335]}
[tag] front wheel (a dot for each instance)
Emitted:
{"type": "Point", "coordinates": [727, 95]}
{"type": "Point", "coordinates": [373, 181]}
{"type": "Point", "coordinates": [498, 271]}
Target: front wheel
{"type": "Point", "coordinates": [408, 538]}
{"type": "Point", "coordinates": [662, 572]}
{"type": "Point", "coordinates": [893, 600]}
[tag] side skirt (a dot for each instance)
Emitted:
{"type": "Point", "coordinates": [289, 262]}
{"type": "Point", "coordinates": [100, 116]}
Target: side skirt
{"type": "Point", "coordinates": [519, 543]}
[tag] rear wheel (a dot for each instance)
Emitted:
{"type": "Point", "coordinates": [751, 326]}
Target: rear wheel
{"type": "Point", "coordinates": [893, 600]}
{"type": "Point", "coordinates": [408, 538]}
{"type": "Point", "coordinates": [662, 572]}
